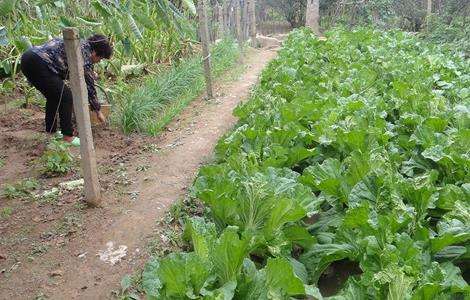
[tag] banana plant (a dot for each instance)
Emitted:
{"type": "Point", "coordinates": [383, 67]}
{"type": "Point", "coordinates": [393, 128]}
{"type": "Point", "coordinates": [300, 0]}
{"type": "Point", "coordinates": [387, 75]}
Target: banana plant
{"type": "Point", "coordinates": [135, 26]}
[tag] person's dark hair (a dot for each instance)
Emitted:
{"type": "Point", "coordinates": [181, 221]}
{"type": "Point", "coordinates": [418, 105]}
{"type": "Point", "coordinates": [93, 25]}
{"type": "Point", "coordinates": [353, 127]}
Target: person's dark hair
{"type": "Point", "coordinates": [101, 45]}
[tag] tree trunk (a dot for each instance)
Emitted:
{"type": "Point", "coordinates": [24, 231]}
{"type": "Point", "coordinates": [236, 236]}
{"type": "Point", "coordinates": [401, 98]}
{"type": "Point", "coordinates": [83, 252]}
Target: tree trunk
{"type": "Point", "coordinates": [262, 14]}
{"type": "Point", "coordinates": [245, 23]}
{"type": "Point", "coordinates": [204, 34]}
{"type": "Point", "coordinates": [225, 15]}
{"type": "Point", "coordinates": [252, 21]}
{"type": "Point", "coordinates": [220, 17]}
{"type": "Point", "coordinates": [312, 17]}
{"type": "Point", "coordinates": [238, 25]}
{"type": "Point", "coordinates": [429, 9]}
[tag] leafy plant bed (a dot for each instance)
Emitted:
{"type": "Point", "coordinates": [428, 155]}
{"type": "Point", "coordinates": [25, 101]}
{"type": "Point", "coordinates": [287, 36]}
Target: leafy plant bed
{"type": "Point", "coordinates": [148, 108]}
{"type": "Point", "coordinates": [351, 149]}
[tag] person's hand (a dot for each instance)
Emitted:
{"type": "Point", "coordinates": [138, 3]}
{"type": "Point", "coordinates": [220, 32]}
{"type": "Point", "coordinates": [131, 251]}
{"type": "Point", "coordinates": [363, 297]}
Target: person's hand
{"type": "Point", "coordinates": [100, 117]}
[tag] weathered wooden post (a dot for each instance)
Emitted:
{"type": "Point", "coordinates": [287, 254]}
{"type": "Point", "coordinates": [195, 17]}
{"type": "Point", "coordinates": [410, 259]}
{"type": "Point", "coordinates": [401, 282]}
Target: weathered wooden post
{"type": "Point", "coordinates": [80, 105]}
{"type": "Point", "coordinates": [225, 17]}
{"type": "Point", "coordinates": [204, 33]}
{"type": "Point", "coordinates": [252, 21]}
{"type": "Point", "coordinates": [220, 17]}
{"type": "Point", "coordinates": [238, 25]}
{"type": "Point", "coordinates": [230, 19]}
{"type": "Point", "coordinates": [239, 29]}
{"type": "Point", "coordinates": [245, 21]}
{"type": "Point", "coordinates": [211, 24]}
{"type": "Point", "coordinates": [234, 20]}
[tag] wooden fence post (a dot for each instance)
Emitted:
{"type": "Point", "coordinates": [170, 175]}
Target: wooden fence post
{"type": "Point", "coordinates": [252, 21]}
{"type": "Point", "coordinates": [234, 21]}
{"type": "Point", "coordinates": [220, 16]}
{"type": "Point", "coordinates": [212, 21]}
{"type": "Point", "coordinates": [204, 33]}
{"type": "Point", "coordinates": [80, 104]}
{"type": "Point", "coordinates": [225, 17]}
{"type": "Point", "coordinates": [238, 25]}
{"type": "Point", "coordinates": [230, 19]}
{"type": "Point", "coordinates": [245, 21]}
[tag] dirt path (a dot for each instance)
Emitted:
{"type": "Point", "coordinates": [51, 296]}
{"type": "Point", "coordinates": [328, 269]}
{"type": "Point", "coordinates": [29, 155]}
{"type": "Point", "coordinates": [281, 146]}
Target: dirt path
{"type": "Point", "coordinates": [76, 271]}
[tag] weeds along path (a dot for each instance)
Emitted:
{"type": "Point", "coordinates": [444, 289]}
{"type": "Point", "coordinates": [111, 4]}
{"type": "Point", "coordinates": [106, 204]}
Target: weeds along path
{"type": "Point", "coordinates": [76, 270]}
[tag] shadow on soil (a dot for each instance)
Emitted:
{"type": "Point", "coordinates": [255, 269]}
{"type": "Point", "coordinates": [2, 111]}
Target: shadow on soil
{"type": "Point", "coordinates": [333, 279]}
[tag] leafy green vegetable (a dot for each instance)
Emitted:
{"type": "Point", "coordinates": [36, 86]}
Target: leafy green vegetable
{"type": "Point", "coordinates": [57, 158]}
{"type": "Point", "coordinates": [351, 149]}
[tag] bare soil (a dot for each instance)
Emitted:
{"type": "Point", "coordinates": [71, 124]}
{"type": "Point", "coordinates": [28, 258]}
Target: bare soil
{"type": "Point", "coordinates": [334, 278]}
{"type": "Point", "coordinates": [50, 250]}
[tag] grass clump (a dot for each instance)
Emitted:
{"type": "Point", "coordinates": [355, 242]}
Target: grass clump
{"type": "Point", "coordinates": [148, 108]}
{"type": "Point", "coordinates": [5, 212]}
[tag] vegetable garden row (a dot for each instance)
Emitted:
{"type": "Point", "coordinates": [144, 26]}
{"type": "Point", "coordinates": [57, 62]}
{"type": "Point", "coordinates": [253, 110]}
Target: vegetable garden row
{"type": "Point", "coordinates": [352, 149]}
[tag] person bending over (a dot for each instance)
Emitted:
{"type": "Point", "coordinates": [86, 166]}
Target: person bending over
{"type": "Point", "coordinates": [46, 68]}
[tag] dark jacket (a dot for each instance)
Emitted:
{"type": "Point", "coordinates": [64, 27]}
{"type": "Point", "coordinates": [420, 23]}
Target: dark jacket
{"type": "Point", "coordinates": [53, 54]}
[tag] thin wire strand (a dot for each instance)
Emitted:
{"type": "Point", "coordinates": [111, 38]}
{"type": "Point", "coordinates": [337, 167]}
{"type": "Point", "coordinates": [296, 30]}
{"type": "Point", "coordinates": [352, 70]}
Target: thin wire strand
{"type": "Point", "coordinates": [60, 102]}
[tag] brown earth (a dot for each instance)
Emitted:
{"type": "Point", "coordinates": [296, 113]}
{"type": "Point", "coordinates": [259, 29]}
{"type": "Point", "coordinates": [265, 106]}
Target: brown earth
{"type": "Point", "coordinates": [50, 250]}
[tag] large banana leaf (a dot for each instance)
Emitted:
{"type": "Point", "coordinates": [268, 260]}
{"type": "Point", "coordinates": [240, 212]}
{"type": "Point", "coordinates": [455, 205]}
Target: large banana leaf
{"type": "Point", "coordinates": [126, 20]}
{"type": "Point", "coordinates": [3, 36]}
{"type": "Point", "coordinates": [135, 29]}
{"type": "Point", "coordinates": [103, 10]}
{"type": "Point", "coordinates": [22, 44]}
{"type": "Point", "coordinates": [145, 21]}
{"type": "Point", "coordinates": [190, 5]}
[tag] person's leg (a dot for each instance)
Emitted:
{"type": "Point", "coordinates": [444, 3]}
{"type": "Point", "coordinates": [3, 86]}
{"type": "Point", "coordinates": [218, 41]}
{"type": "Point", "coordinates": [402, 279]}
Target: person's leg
{"type": "Point", "coordinates": [51, 114]}
{"type": "Point", "coordinates": [66, 111]}
{"type": "Point", "coordinates": [45, 81]}
{"type": "Point", "coordinates": [58, 95]}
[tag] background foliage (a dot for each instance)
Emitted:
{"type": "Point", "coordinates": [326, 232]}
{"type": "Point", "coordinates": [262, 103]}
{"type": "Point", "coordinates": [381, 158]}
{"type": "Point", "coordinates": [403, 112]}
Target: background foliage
{"type": "Point", "coordinates": [134, 27]}
{"type": "Point", "coordinates": [406, 14]}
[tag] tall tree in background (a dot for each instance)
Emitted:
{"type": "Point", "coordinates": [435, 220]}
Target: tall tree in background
{"type": "Point", "coordinates": [312, 17]}
{"type": "Point", "coordinates": [292, 10]}
{"type": "Point", "coordinates": [252, 20]}
{"type": "Point", "coordinates": [408, 15]}
{"type": "Point", "coordinates": [428, 13]}
{"type": "Point", "coordinates": [429, 9]}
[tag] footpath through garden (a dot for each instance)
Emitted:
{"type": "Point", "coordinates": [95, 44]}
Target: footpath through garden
{"type": "Point", "coordinates": [83, 268]}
